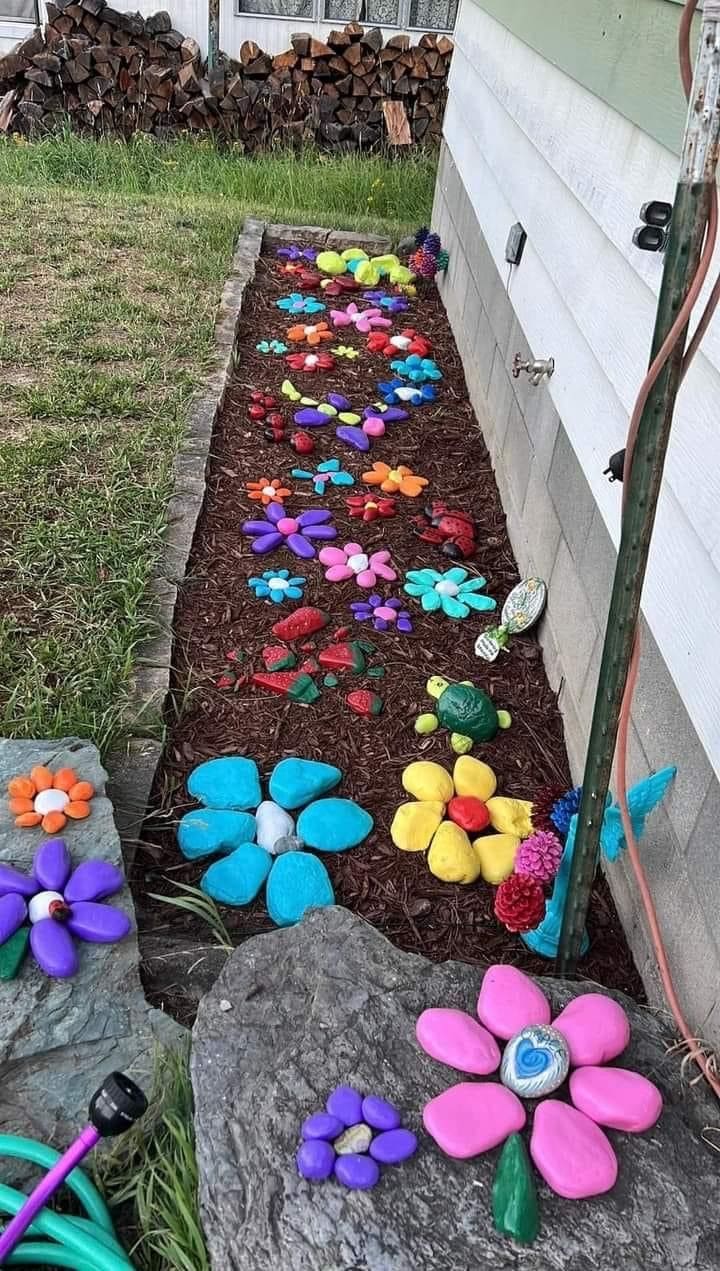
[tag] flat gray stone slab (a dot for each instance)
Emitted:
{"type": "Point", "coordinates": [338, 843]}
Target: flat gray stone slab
{"type": "Point", "coordinates": [59, 1038]}
{"type": "Point", "coordinates": [331, 1001]}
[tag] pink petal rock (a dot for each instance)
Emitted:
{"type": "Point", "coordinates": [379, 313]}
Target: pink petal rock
{"type": "Point", "coordinates": [595, 1028]}
{"type": "Point", "coordinates": [616, 1097]}
{"type": "Point", "coordinates": [471, 1117]}
{"type": "Point", "coordinates": [571, 1151]}
{"type": "Point", "coordinates": [455, 1038]}
{"type": "Point", "coordinates": [510, 1001]}
{"type": "Point", "coordinates": [374, 427]}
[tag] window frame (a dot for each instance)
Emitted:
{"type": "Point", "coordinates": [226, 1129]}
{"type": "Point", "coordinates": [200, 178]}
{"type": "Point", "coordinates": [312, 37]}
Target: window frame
{"type": "Point", "coordinates": [319, 19]}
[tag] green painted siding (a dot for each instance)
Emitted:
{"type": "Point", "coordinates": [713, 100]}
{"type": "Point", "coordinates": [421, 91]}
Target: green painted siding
{"type": "Point", "coordinates": [624, 51]}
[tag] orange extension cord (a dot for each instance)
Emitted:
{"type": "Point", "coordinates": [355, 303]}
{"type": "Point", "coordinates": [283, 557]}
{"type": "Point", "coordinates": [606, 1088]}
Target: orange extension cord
{"type": "Point", "coordinates": [694, 1050]}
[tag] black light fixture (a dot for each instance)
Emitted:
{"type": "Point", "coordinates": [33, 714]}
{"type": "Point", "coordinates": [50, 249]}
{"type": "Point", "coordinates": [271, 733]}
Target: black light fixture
{"type": "Point", "coordinates": [616, 466]}
{"type": "Point", "coordinates": [652, 235]}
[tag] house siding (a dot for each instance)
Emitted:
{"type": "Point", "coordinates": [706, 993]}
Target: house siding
{"type": "Point", "coordinates": [525, 142]}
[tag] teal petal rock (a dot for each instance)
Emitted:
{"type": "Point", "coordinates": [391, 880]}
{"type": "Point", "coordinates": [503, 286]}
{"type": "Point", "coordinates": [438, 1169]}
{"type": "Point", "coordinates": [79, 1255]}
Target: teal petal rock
{"type": "Point", "coordinates": [205, 831]}
{"type": "Point", "coordinates": [231, 782]}
{"type": "Point", "coordinates": [334, 825]}
{"type": "Point", "coordinates": [237, 879]}
{"type": "Point", "coordinates": [294, 782]}
{"type": "Point", "coordinates": [298, 881]}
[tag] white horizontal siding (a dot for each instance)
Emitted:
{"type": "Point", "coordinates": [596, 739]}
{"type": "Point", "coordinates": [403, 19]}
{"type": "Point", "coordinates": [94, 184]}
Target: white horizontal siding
{"type": "Point", "coordinates": [532, 145]}
{"type": "Point", "coordinates": [12, 31]}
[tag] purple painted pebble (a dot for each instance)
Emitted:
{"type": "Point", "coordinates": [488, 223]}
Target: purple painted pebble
{"type": "Point", "coordinates": [315, 1159]}
{"type": "Point", "coordinates": [393, 1146]}
{"type": "Point", "coordinates": [380, 1114]}
{"type": "Point", "coordinates": [391, 414]}
{"type": "Point", "coordinates": [308, 417]}
{"type": "Point", "coordinates": [338, 401]}
{"type": "Point", "coordinates": [354, 437]}
{"type": "Point", "coordinates": [345, 1103]}
{"type": "Point", "coordinates": [321, 1125]}
{"type": "Point", "coordinates": [358, 1172]}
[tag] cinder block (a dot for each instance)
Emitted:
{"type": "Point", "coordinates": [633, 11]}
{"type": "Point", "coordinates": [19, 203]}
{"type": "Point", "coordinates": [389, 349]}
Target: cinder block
{"type": "Point", "coordinates": [500, 399]}
{"type": "Point", "coordinates": [575, 738]}
{"type": "Point", "coordinates": [598, 561]}
{"type": "Point", "coordinates": [571, 495]}
{"type": "Point", "coordinates": [482, 264]}
{"type": "Point", "coordinates": [586, 700]}
{"type": "Point", "coordinates": [543, 424]}
{"type": "Point", "coordinates": [500, 312]}
{"type": "Point", "coordinates": [518, 454]}
{"type": "Point", "coordinates": [543, 526]}
{"type": "Point", "coordinates": [483, 350]}
{"type": "Point", "coordinates": [551, 657]}
{"type": "Point", "coordinates": [668, 737]}
{"type": "Point", "coordinates": [690, 942]}
{"type": "Point", "coordinates": [571, 615]}
{"type": "Point", "coordinates": [701, 855]}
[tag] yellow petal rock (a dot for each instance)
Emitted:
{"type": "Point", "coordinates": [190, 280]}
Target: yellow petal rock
{"type": "Point", "coordinates": [511, 816]}
{"type": "Point", "coordinates": [427, 780]}
{"type": "Point", "coordinates": [451, 856]}
{"type": "Point", "coordinates": [475, 778]}
{"type": "Point", "coordinates": [496, 853]}
{"type": "Point", "coordinates": [414, 825]}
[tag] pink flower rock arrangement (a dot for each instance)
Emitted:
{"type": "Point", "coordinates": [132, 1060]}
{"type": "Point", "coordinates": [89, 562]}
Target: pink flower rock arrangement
{"type": "Point", "coordinates": [350, 561]}
{"type": "Point", "coordinates": [568, 1143]}
{"type": "Point", "coordinates": [56, 905]}
{"type": "Point", "coordinates": [352, 1138]}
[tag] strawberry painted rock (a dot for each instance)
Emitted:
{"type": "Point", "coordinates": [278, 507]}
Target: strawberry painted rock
{"type": "Point", "coordinates": [277, 658]}
{"type": "Point", "coordinates": [343, 657]}
{"type": "Point", "coordinates": [296, 685]}
{"type": "Point", "coordinates": [364, 702]}
{"type": "Point", "coordinates": [300, 623]}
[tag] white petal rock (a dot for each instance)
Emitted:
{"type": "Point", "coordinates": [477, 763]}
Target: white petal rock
{"type": "Point", "coordinates": [272, 823]}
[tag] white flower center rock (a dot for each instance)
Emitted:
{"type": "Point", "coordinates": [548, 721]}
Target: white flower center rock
{"type": "Point", "coordinates": [279, 584]}
{"type": "Point", "coordinates": [447, 588]}
{"type": "Point", "coordinates": [39, 906]}
{"type": "Point", "coordinates": [358, 562]}
{"type": "Point", "coordinates": [268, 490]}
{"type": "Point", "coordinates": [51, 801]}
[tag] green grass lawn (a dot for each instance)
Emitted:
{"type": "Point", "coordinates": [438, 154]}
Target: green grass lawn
{"type": "Point", "coordinates": [113, 259]}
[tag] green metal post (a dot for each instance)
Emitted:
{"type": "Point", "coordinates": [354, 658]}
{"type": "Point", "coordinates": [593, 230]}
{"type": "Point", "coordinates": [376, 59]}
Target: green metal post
{"type": "Point", "coordinates": [697, 174]}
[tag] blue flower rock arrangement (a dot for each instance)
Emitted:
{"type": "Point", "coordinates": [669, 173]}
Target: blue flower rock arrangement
{"type": "Point", "coordinates": [258, 840]}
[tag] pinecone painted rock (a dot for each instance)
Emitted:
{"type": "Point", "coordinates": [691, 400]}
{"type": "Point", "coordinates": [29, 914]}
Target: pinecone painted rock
{"type": "Point", "coordinates": [539, 856]}
{"type": "Point", "coordinates": [443, 260]}
{"type": "Point", "coordinates": [421, 235]}
{"type": "Point", "coordinates": [542, 805]}
{"type": "Point", "coordinates": [564, 810]}
{"type": "Point", "coordinates": [520, 903]}
{"type": "Point", "coordinates": [432, 244]}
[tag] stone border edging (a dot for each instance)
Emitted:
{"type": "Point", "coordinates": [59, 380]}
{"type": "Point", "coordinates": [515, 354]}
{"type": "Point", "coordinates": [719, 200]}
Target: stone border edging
{"type": "Point", "coordinates": [133, 764]}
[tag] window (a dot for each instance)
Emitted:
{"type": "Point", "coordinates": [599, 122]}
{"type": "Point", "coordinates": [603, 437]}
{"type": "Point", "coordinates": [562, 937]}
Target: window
{"type": "Point", "coordinates": [18, 11]}
{"type": "Point", "coordinates": [411, 15]}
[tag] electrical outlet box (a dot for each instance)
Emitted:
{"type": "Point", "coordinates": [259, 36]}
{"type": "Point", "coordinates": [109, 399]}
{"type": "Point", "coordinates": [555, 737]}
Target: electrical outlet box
{"type": "Point", "coordinates": [515, 246]}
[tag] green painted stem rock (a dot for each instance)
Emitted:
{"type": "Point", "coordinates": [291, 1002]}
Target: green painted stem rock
{"type": "Point", "coordinates": [514, 1198]}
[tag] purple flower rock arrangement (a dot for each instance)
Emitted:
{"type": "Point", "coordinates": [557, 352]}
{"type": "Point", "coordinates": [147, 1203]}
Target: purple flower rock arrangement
{"type": "Point", "coordinates": [352, 1138]}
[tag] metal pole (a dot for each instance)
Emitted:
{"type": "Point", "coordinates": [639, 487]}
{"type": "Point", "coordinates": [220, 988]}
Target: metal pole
{"type": "Point", "coordinates": [697, 173]}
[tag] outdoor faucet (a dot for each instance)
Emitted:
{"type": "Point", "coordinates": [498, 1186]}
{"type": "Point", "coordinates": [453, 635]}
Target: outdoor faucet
{"type": "Point", "coordinates": [536, 369]}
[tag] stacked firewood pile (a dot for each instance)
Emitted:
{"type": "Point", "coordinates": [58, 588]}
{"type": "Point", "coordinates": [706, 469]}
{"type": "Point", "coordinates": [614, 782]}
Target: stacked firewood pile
{"type": "Point", "coordinates": [119, 73]}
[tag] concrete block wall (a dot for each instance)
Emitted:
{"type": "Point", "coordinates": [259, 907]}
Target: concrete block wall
{"type": "Point", "coordinates": [558, 533]}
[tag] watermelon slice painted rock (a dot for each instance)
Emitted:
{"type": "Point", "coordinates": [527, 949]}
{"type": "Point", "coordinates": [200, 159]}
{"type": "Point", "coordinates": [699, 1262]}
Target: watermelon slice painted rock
{"type": "Point", "coordinates": [300, 623]}
{"type": "Point", "coordinates": [364, 702]}
{"type": "Point", "coordinates": [277, 658]}
{"type": "Point", "coordinates": [296, 685]}
{"type": "Point", "coordinates": [343, 657]}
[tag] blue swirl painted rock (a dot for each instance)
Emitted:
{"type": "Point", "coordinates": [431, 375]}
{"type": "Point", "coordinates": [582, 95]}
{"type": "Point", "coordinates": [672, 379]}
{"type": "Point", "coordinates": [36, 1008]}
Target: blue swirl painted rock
{"type": "Point", "coordinates": [535, 1062]}
{"type": "Point", "coordinates": [298, 881]}
{"type": "Point", "coordinates": [294, 782]}
{"type": "Point", "coordinates": [237, 879]}
{"type": "Point", "coordinates": [205, 831]}
{"type": "Point", "coordinates": [334, 825]}
{"type": "Point", "coordinates": [229, 782]}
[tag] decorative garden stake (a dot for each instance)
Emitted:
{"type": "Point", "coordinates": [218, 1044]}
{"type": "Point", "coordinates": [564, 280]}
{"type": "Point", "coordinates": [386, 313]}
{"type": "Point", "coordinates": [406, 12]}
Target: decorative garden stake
{"type": "Point", "coordinates": [642, 798]}
{"type": "Point", "coordinates": [454, 593]}
{"type": "Point", "coordinates": [277, 585]}
{"type": "Point", "coordinates": [521, 610]}
{"type": "Point", "coordinates": [48, 798]}
{"type": "Point", "coordinates": [399, 480]}
{"type": "Point", "coordinates": [466, 711]}
{"type": "Point", "coordinates": [60, 904]}
{"type": "Point", "coordinates": [453, 530]}
{"type": "Point", "coordinates": [568, 1146]}
{"type": "Point", "coordinates": [296, 533]}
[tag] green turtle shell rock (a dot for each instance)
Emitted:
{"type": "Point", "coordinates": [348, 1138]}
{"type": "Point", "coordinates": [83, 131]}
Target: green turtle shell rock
{"type": "Point", "coordinates": [466, 711]}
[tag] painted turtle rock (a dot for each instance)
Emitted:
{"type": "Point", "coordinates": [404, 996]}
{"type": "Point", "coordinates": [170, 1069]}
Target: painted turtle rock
{"type": "Point", "coordinates": [466, 711]}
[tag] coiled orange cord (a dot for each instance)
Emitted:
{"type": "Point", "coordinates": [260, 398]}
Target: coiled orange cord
{"type": "Point", "coordinates": [694, 1050]}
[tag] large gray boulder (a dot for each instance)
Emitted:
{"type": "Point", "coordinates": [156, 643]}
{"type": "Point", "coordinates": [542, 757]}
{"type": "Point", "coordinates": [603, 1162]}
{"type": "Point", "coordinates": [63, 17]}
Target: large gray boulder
{"type": "Point", "coordinates": [59, 1038]}
{"type": "Point", "coordinates": [330, 1001]}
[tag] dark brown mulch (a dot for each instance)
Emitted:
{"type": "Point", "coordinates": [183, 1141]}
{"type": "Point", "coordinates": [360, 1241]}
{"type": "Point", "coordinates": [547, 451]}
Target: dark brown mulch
{"type": "Point", "coordinates": [217, 612]}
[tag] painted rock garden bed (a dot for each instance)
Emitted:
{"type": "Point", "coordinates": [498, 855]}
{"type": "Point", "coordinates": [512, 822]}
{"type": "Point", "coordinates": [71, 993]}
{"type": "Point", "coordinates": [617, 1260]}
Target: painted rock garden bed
{"type": "Point", "coordinates": [324, 622]}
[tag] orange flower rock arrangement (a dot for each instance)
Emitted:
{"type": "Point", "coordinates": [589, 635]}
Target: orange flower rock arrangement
{"type": "Point", "coordinates": [47, 799]}
{"type": "Point", "coordinates": [400, 480]}
{"type": "Point", "coordinates": [266, 490]}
